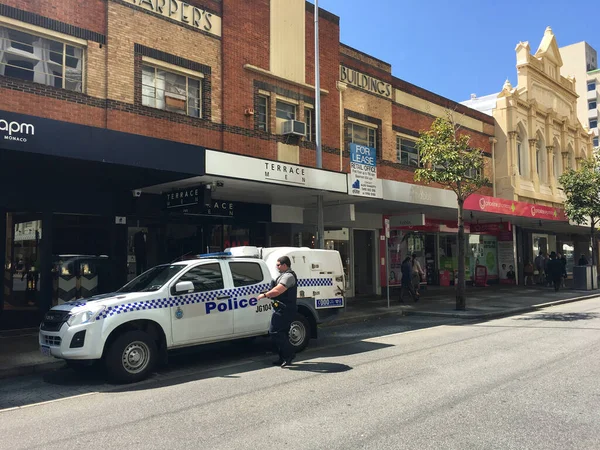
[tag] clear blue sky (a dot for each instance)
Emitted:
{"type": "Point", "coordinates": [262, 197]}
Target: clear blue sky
{"type": "Point", "coordinates": [455, 48]}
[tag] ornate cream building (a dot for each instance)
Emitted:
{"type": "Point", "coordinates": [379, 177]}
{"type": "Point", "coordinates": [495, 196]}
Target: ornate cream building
{"type": "Point", "coordinates": [537, 130]}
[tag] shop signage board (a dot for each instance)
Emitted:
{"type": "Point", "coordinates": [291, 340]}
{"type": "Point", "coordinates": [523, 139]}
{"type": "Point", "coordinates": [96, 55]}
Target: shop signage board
{"type": "Point", "coordinates": [182, 198]}
{"type": "Point", "coordinates": [408, 220]}
{"type": "Point", "coordinates": [246, 168]}
{"type": "Point", "coordinates": [363, 181]}
{"type": "Point", "coordinates": [513, 208]}
{"type": "Point", "coordinates": [496, 227]}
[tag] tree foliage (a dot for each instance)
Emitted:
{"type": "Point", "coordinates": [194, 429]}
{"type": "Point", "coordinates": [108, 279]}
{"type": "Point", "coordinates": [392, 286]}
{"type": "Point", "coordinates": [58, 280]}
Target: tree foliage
{"type": "Point", "coordinates": [449, 160]}
{"type": "Point", "coordinates": [582, 191]}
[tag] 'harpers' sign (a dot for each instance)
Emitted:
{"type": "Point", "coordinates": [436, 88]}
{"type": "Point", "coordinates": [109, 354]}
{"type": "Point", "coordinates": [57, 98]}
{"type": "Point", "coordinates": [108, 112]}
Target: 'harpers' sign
{"type": "Point", "coordinates": [512, 208]}
{"type": "Point", "coordinates": [182, 12]}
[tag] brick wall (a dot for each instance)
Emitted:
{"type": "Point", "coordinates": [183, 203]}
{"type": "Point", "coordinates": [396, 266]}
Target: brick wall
{"type": "Point", "coordinates": [88, 14]}
{"type": "Point", "coordinates": [229, 88]}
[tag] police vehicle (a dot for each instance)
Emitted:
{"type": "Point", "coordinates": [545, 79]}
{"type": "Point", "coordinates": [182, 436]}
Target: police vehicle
{"type": "Point", "coordinates": [209, 299]}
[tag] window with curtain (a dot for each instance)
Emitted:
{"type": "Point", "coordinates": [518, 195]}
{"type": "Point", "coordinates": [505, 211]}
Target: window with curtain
{"type": "Point", "coordinates": [46, 61]}
{"type": "Point", "coordinates": [171, 91]}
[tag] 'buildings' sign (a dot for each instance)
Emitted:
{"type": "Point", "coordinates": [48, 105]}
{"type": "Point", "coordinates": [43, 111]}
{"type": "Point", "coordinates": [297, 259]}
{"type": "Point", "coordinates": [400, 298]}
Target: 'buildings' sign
{"type": "Point", "coordinates": [182, 12]}
{"type": "Point", "coordinates": [365, 82]}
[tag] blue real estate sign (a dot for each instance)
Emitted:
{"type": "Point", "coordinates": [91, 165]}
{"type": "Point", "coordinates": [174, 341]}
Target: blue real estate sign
{"type": "Point", "coordinates": [363, 171]}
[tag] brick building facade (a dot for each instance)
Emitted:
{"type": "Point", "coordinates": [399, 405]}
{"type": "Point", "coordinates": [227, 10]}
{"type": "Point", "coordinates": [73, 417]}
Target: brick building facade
{"type": "Point", "coordinates": [132, 100]}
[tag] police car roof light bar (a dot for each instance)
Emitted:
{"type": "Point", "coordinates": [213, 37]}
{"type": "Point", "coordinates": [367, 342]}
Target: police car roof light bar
{"type": "Point", "coordinates": [215, 255]}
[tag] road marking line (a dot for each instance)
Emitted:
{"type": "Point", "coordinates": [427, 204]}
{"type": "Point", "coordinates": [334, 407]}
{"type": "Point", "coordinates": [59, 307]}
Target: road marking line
{"type": "Point", "coordinates": [48, 402]}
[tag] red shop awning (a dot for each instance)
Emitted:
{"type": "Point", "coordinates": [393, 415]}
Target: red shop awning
{"type": "Point", "coordinates": [487, 204]}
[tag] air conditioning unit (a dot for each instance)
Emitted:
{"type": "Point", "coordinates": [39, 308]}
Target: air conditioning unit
{"type": "Point", "coordinates": [294, 127]}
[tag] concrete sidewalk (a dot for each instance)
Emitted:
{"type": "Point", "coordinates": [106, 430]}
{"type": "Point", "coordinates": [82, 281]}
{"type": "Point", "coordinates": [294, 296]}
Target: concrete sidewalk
{"type": "Point", "coordinates": [20, 355]}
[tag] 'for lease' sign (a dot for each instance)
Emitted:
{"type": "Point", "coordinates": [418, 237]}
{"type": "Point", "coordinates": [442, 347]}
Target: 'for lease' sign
{"type": "Point", "coordinates": [363, 172]}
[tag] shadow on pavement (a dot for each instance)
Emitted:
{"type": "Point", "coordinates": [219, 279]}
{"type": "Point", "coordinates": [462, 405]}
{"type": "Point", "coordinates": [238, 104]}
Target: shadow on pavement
{"type": "Point", "coordinates": [301, 363]}
{"type": "Point", "coordinates": [560, 317]}
{"type": "Point", "coordinates": [319, 367]}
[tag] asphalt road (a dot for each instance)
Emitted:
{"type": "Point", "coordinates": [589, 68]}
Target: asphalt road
{"type": "Point", "coordinates": [528, 381]}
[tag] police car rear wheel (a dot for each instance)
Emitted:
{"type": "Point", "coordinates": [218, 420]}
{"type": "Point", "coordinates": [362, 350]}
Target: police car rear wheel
{"type": "Point", "coordinates": [299, 333]}
{"type": "Point", "coordinates": [131, 357]}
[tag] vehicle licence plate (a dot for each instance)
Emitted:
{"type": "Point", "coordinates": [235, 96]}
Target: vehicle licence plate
{"type": "Point", "coordinates": [45, 350]}
{"type": "Point", "coordinates": [330, 303]}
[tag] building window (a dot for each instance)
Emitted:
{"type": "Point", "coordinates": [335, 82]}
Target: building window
{"type": "Point", "coordinates": [407, 152]}
{"type": "Point", "coordinates": [473, 173]}
{"type": "Point", "coordinates": [591, 86]}
{"type": "Point", "coordinates": [592, 104]}
{"type": "Point", "coordinates": [519, 165]}
{"type": "Point", "coordinates": [285, 111]}
{"type": "Point", "coordinates": [595, 141]}
{"type": "Point", "coordinates": [309, 118]}
{"type": "Point", "coordinates": [593, 123]}
{"type": "Point", "coordinates": [41, 60]}
{"type": "Point", "coordinates": [363, 135]}
{"type": "Point", "coordinates": [171, 91]}
{"type": "Point", "coordinates": [262, 113]}
{"type": "Point", "coordinates": [540, 161]}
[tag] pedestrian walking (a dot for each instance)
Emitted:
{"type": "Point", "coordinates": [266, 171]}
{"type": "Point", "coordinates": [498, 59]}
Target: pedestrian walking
{"type": "Point", "coordinates": [555, 271]}
{"type": "Point", "coordinates": [583, 260]}
{"type": "Point", "coordinates": [283, 291]}
{"type": "Point", "coordinates": [417, 273]}
{"type": "Point", "coordinates": [563, 261]}
{"type": "Point", "coordinates": [539, 267]}
{"type": "Point", "coordinates": [407, 283]}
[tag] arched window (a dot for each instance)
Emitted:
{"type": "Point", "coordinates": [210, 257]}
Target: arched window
{"type": "Point", "coordinates": [557, 163]}
{"type": "Point", "coordinates": [540, 159]}
{"type": "Point", "coordinates": [519, 155]}
{"type": "Point", "coordinates": [522, 152]}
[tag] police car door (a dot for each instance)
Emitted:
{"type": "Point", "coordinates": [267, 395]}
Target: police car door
{"type": "Point", "coordinates": [250, 315]}
{"type": "Point", "coordinates": [204, 313]}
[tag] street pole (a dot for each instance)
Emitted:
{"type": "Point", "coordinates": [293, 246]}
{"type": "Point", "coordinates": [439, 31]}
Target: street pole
{"type": "Point", "coordinates": [387, 259]}
{"type": "Point", "coordinates": [320, 221]}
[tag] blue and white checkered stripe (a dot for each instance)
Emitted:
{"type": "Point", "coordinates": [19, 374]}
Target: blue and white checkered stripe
{"type": "Point", "coordinates": [315, 282]}
{"type": "Point", "coordinates": [188, 299]}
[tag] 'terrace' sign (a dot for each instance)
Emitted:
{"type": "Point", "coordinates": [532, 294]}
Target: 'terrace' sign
{"type": "Point", "coordinates": [16, 131]}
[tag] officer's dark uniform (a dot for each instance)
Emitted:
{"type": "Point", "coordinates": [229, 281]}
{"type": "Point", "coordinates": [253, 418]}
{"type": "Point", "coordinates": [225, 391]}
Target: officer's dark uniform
{"type": "Point", "coordinates": [283, 317]}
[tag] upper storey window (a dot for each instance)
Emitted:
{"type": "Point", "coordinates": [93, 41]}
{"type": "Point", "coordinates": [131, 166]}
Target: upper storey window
{"type": "Point", "coordinates": [171, 91]}
{"type": "Point", "coordinates": [41, 60]}
{"type": "Point", "coordinates": [363, 135]}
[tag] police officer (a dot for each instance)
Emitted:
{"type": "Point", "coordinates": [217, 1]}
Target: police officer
{"type": "Point", "coordinates": [284, 293]}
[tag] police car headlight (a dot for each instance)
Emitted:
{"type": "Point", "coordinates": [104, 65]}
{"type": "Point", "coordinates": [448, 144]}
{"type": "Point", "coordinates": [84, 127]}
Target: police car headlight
{"type": "Point", "coordinates": [83, 317]}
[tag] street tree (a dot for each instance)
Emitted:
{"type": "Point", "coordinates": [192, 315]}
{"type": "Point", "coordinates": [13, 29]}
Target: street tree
{"type": "Point", "coordinates": [448, 160]}
{"type": "Point", "coordinates": [582, 190]}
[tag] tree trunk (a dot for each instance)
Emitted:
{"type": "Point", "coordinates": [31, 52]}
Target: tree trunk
{"type": "Point", "coordinates": [592, 235]}
{"type": "Point", "coordinates": [461, 288]}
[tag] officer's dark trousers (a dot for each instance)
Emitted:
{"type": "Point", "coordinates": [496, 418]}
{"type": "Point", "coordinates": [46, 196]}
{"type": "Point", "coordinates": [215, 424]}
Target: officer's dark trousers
{"type": "Point", "coordinates": [280, 335]}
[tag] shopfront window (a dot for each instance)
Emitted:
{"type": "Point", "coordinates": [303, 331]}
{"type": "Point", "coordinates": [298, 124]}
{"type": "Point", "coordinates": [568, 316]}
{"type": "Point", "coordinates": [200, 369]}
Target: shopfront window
{"type": "Point", "coordinates": [22, 262]}
{"type": "Point", "coordinates": [339, 239]}
{"type": "Point", "coordinates": [483, 252]}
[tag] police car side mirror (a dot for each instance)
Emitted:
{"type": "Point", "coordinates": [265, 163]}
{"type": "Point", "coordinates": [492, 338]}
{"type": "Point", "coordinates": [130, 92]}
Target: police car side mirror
{"type": "Point", "coordinates": [184, 286]}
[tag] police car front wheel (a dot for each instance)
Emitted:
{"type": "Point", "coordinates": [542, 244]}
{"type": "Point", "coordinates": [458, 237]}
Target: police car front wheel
{"type": "Point", "coordinates": [299, 333]}
{"type": "Point", "coordinates": [131, 357]}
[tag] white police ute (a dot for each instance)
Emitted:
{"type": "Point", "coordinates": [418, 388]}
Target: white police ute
{"type": "Point", "coordinates": [209, 299]}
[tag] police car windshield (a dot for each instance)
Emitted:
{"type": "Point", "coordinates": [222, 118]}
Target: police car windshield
{"type": "Point", "coordinates": [153, 279]}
